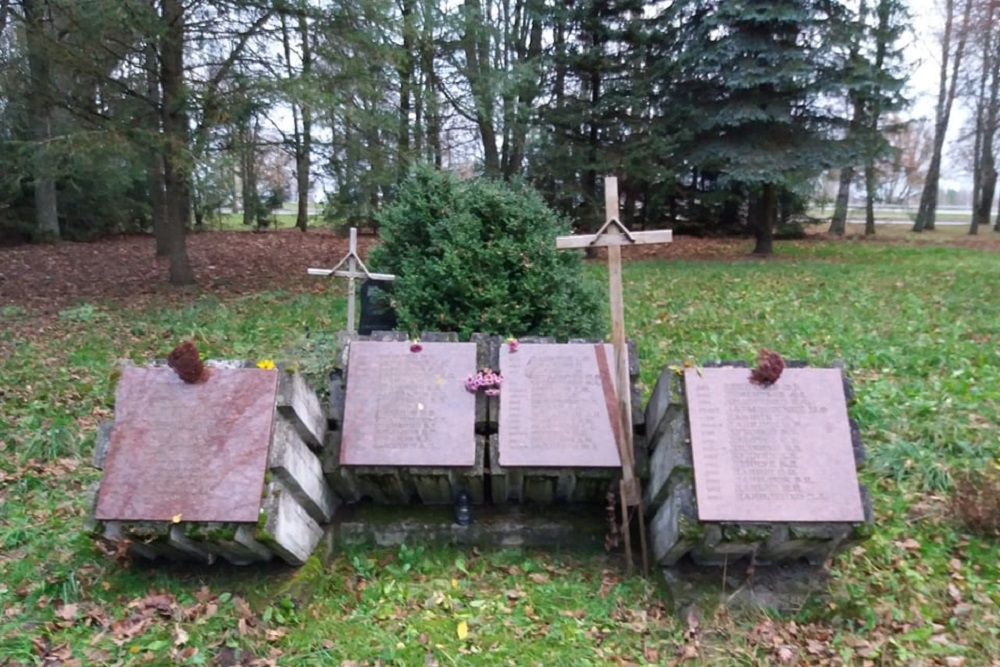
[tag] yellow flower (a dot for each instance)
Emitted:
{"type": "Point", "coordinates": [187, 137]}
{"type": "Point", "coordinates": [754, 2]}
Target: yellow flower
{"type": "Point", "coordinates": [266, 364]}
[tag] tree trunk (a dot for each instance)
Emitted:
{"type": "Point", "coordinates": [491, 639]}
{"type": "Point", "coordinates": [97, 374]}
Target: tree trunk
{"type": "Point", "coordinates": [977, 148]}
{"type": "Point", "coordinates": [432, 106]}
{"type": "Point", "coordinates": [947, 89]}
{"type": "Point", "coordinates": [248, 176]}
{"type": "Point", "coordinates": [158, 202]}
{"type": "Point", "coordinates": [996, 223]}
{"type": "Point", "coordinates": [303, 169]}
{"type": "Point", "coordinates": [476, 43]}
{"type": "Point", "coordinates": [301, 121]}
{"type": "Point", "coordinates": [530, 59]}
{"type": "Point", "coordinates": [154, 168]}
{"type": "Point", "coordinates": [175, 131]}
{"type": "Point", "coordinates": [838, 222]}
{"type": "Point", "coordinates": [404, 70]}
{"type": "Point", "coordinates": [870, 178]}
{"type": "Point", "coordinates": [986, 123]}
{"type": "Point", "coordinates": [981, 216]}
{"type": "Point", "coordinates": [764, 229]}
{"type": "Point", "coordinates": [40, 102]}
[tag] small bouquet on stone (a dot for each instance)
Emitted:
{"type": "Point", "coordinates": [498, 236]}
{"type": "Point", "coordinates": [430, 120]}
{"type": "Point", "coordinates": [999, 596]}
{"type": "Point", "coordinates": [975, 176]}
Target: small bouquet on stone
{"type": "Point", "coordinates": [487, 380]}
{"type": "Point", "coordinates": [186, 361]}
{"type": "Point", "coordinates": [769, 368]}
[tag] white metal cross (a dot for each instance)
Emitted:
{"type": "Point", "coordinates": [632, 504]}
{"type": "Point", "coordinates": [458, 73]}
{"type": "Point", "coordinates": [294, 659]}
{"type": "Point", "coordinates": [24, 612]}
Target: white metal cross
{"type": "Point", "coordinates": [613, 235]}
{"type": "Point", "coordinates": [353, 262]}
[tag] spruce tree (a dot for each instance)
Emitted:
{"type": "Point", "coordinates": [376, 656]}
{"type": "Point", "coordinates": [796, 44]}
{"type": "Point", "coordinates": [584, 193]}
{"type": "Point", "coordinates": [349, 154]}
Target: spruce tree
{"type": "Point", "coordinates": [755, 81]}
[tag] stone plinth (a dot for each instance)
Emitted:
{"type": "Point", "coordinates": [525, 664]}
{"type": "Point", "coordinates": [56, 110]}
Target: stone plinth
{"type": "Point", "coordinates": [508, 526]}
{"type": "Point", "coordinates": [221, 469]}
{"type": "Point", "coordinates": [785, 529]}
{"type": "Point", "coordinates": [561, 475]}
{"type": "Point", "coordinates": [407, 424]}
{"type": "Point", "coordinates": [403, 485]}
{"type": "Point", "coordinates": [557, 424]}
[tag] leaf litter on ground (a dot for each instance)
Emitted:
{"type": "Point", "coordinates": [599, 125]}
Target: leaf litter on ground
{"type": "Point", "coordinates": [926, 365]}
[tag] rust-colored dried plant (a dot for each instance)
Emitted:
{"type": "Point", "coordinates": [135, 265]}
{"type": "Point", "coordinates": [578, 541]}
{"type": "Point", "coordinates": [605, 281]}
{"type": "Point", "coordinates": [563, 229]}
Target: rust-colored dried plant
{"type": "Point", "coordinates": [769, 368]}
{"type": "Point", "coordinates": [187, 363]}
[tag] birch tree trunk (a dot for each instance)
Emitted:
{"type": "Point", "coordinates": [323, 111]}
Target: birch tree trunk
{"type": "Point", "coordinates": [987, 119]}
{"type": "Point", "coordinates": [947, 88]}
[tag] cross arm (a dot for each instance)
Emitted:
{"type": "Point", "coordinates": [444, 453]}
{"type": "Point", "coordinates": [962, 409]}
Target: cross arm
{"type": "Point", "coordinates": [602, 240]}
{"type": "Point", "coordinates": [351, 274]}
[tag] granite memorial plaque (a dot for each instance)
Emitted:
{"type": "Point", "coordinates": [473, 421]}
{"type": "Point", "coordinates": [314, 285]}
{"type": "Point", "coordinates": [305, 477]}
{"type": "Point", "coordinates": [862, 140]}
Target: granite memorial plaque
{"type": "Point", "coordinates": [406, 408]}
{"type": "Point", "coordinates": [776, 453]}
{"type": "Point", "coordinates": [188, 452]}
{"type": "Point", "coordinates": [558, 406]}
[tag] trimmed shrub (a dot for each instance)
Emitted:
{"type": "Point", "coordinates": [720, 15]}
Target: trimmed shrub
{"type": "Point", "coordinates": [480, 256]}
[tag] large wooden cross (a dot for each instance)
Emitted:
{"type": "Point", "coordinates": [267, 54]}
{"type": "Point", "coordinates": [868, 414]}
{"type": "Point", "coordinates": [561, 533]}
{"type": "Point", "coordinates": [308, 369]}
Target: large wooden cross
{"type": "Point", "coordinates": [353, 262]}
{"type": "Point", "coordinates": [613, 235]}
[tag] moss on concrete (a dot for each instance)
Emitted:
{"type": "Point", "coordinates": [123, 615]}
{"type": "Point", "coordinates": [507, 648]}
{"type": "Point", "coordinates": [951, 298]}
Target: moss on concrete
{"type": "Point", "coordinates": [690, 530]}
{"type": "Point", "coordinates": [746, 532]}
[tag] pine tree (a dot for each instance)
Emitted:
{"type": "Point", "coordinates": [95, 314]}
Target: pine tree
{"type": "Point", "coordinates": [752, 80]}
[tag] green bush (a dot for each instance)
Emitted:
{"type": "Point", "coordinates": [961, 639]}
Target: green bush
{"type": "Point", "coordinates": [480, 256]}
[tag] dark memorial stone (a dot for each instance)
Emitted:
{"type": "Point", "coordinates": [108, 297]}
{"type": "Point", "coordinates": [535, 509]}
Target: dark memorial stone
{"type": "Point", "coordinates": [776, 453]}
{"type": "Point", "coordinates": [188, 452]}
{"type": "Point", "coordinates": [558, 407]}
{"type": "Point", "coordinates": [376, 309]}
{"type": "Point", "coordinates": [406, 408]}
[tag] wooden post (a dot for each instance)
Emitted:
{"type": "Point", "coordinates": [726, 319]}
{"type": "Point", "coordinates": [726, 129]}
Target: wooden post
{"type": "Point", "coordinates": [616, 296]}
{"type": "Point", "coordinates": [613, 235]}
{"type": "Point", "coordinates": [352, 267]}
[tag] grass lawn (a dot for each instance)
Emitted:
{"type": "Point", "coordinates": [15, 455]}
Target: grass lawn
{"type": "Point", "coordinates": [917, 325]}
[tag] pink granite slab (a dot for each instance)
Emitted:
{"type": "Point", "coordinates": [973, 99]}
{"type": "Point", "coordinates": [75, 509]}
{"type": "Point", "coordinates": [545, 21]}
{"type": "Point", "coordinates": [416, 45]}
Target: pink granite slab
{"type": "Point", "coordinates": [197, 451]}
{"type": "Point", "coordinates": [557, 407]}
{"type": "Point", "coordinates": [406, 408]}
{"type": "Point", "coordinates": [777, 453]}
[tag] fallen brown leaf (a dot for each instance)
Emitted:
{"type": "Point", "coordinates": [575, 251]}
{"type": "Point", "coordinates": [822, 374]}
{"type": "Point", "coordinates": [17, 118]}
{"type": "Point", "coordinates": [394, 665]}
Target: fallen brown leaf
{"type": "Point", "coordinates": [275, 634]}
{"type": "Point", "coordinates": [66, 612]}
{"type": "Point", "coordinates": [785, 654]}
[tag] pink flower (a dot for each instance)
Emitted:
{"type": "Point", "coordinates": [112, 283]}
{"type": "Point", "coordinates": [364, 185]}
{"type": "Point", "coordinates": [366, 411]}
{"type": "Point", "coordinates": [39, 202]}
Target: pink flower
{"type": "Point", "coordinates": [416, 347]}
{"type": "Point", "coordinates": [512, 344]}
